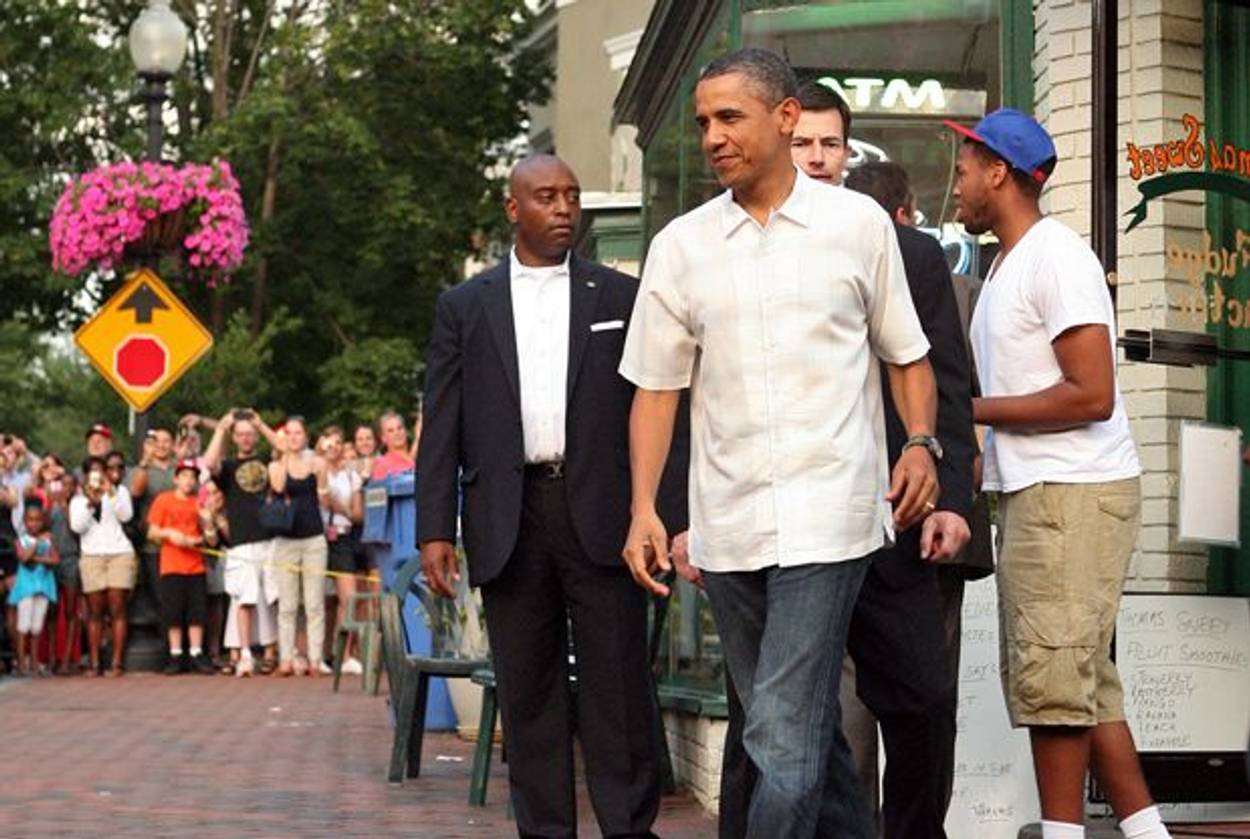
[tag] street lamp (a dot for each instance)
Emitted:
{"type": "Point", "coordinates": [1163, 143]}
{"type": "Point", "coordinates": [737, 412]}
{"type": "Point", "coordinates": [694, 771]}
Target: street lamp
{"type": "Point", "coordinates": [158, 44]}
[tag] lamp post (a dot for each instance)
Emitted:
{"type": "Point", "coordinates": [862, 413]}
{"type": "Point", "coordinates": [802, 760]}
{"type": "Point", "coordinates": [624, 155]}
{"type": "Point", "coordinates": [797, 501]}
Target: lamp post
{"type": "Point", "coordinates": [158, 45]}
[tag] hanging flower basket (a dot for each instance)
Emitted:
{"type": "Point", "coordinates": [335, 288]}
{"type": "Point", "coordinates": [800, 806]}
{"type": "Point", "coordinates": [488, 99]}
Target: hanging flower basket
{"type": "Point", "coordinates": [127, 210]}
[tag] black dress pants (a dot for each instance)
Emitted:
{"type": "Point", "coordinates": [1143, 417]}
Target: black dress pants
{"type": "Point", "coordinates": [549, 581]}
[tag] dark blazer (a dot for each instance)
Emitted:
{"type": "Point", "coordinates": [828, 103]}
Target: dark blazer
{"type": "Point", "coordinates": [933, 295]}
{"type": "Point", "coordinates": [472, 422]}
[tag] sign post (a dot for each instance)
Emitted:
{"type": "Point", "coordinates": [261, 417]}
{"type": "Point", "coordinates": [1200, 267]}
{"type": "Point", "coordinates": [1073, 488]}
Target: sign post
{"type": "Point", "coordinates": [143, 339]}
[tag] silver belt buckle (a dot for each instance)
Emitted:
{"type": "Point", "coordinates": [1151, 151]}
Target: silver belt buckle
{"type": "Point", "coordinates": [554, 470]}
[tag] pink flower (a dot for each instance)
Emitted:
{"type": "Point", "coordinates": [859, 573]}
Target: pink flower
{"type": "Point", "coordinates": [103, 211]}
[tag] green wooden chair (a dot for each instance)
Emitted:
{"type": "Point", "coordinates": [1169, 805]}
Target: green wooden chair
{"type": "Point", "coordinates": [367, 632]}
{"type": "Point", "coordinates": [409, 675]}
{"type": "Point", "coordinates": [485, 677]}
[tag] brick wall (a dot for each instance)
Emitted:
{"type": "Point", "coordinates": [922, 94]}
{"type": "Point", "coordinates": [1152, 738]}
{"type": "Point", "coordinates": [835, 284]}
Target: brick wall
{"type": "Point", "coordinates": [695, 746]}
{"type": "Point", "coordinates": [1160, 79]}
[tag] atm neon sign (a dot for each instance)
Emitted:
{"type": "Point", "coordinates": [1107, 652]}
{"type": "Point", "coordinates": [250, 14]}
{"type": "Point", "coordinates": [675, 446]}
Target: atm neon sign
{"type": "Point", "coordinates": [863, 93]}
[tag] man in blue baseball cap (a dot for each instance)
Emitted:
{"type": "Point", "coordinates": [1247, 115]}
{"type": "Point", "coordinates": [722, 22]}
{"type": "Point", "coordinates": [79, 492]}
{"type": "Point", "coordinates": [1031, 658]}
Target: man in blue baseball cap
{"type": "Point", "coordinates": [1061, 458]}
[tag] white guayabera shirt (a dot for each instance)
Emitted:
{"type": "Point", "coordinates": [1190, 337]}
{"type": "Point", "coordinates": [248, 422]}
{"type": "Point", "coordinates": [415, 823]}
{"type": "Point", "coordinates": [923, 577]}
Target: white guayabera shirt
{"type": "Point", "coordinates": [777, 330]}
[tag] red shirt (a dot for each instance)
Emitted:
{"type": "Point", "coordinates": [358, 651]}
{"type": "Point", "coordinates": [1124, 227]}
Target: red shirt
{"type": "Point", "coordinates": [390, 463]}
{"type": "Point", "coordinates": [168, 510]}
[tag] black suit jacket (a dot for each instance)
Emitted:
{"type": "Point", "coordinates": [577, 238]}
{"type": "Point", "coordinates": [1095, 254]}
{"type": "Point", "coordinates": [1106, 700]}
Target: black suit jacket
{"type": "Point", "coordinates": [472, 432]}
{"type": "Point", "coordinates": [933, 295]}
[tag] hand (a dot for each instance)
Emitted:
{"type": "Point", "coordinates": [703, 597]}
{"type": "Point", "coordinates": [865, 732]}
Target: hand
{"type": "Point", "coordinates": [441, 567]}
{"type": "Point", "coordinates": [681, 559]}
{"type": "Point", "coordinates": [227, 419]}
{"type": "Point", "coordinates": [943, 535]}
{"type": "Point", "coordinates": [913, 487]}
{"type": "Point", "coordinates": [149, 452]}
{"type": "Point", "coordinates": [190, 421]}
{"type": "Point", "coordinates": [646, 550]}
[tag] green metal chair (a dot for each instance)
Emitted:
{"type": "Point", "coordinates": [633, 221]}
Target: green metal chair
{"type": "Point", "coordinates": [367, 632]}
{"type": "Point", "coordinates": [409, 675]}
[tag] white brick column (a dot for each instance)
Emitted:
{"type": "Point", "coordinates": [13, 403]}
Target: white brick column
{"type": "Point", "coordinates": [1160, 79]}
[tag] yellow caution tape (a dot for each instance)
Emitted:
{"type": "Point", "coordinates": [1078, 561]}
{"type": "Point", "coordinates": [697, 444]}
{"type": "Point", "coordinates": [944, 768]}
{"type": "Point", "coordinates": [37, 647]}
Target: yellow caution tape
{"type": "Point", "coordinates": [298, 569]}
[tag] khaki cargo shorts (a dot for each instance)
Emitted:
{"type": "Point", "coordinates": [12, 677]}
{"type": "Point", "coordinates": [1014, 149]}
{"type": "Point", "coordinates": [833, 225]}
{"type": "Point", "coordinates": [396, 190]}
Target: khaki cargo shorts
{"type": "Point", "coordinates": [105, 571]}
{"type": "Point", "coordinates": [1063, 554]}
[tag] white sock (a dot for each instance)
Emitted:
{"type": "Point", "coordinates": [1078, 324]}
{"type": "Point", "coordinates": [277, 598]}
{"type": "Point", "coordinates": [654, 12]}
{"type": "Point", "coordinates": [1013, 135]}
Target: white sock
{"type": "Point", "coordinates": [1062, 830]}
{"type": "Point", "coordinates": [246, 652]}
{"type": "Point", "coordinates": [195, 651]}
{"type": "Point", "coordinates": [1145, 824]}
{"type": "Point", "coordinates": [174, 652]}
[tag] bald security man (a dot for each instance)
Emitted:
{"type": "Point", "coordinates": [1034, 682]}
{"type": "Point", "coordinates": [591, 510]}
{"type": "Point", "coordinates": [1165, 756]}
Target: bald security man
{"type": "Point", "coordinates": [526, 413]}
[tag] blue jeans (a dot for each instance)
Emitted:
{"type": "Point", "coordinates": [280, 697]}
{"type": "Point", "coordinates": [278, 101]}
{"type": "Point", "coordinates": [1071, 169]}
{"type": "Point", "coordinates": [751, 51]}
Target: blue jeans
{"type": "Point", "coordinates": [783, 633]}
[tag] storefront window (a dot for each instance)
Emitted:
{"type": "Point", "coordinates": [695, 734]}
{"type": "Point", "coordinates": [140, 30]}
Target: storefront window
{"type": "Point", "coordinates": [1227, 131]}
{"type": "Point", "coordinates": [950, 69]}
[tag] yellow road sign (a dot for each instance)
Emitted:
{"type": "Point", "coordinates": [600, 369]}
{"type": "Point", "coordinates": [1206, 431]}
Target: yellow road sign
{"type": "Point", "coordinates": [143, 339]}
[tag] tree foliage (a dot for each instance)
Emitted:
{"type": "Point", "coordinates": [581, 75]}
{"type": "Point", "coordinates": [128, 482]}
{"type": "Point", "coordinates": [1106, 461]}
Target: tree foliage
{"type": "Point", "coordinates": [369, 137]}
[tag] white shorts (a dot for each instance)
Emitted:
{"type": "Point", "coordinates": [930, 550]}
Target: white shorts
{"type": "Point", "coordinates": [31, 612]}
{"type": "Point", "coordinates": [264, 625]}
{"type": "Point", "coordinates": [250, 574]}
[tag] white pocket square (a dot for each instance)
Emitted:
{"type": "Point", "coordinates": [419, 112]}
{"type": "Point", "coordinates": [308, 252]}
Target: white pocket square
{"type": "Point", "coordinates": [605, 325]}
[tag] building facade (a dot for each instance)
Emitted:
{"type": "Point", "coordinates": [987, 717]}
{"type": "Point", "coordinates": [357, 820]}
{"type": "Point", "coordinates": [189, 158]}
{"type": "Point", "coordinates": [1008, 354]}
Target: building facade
{"type": "Point", "coordinates": [1179, 92]}
{"type": "Point", "coordinates": [591, 44]}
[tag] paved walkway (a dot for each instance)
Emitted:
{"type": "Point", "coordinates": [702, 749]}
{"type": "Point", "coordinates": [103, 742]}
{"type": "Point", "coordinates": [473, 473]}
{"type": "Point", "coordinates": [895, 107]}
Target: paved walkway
{"type": "Point", "coordinates": [149, 755]}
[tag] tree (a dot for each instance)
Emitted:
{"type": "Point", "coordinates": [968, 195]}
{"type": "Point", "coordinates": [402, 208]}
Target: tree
{"type": "Point", "coordinates": [368, 137]}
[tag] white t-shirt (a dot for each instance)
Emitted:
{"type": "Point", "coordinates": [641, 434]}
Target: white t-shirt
{"type": "Point", "coordinates": [1047, 284]}
{"type": "Point", "coordinates": [342, 485]}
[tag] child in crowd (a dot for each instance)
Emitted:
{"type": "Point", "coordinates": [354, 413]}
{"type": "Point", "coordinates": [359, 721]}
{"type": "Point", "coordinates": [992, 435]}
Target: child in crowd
{"type": "Point", "coordinates": [174, 522]}
{"type": "Point", "coordinates": [65, 540]}
{"type": "Point", "coordinates": [35, 587]}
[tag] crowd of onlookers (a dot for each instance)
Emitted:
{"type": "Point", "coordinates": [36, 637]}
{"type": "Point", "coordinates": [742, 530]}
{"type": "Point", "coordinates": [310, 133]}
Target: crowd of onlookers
{"type": "Point", "coordinates": [249, 542]}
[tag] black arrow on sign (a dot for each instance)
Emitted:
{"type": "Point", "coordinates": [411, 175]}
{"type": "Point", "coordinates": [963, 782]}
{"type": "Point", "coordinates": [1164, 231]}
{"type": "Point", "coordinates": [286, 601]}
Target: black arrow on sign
{"type": "Point", "coordinates": [144, 301]}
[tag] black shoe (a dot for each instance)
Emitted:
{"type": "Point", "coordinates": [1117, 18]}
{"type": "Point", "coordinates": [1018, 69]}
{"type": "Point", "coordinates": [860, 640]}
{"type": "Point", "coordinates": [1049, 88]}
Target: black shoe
{"type": "Point", "coordinates": [173, 666]}
{"type": "Point", "coordinates": [203, 664]}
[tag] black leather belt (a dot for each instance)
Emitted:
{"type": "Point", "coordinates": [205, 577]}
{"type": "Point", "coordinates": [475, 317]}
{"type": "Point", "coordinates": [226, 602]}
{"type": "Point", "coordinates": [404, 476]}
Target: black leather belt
{"type": "Point", "coordinates": [551, 470]}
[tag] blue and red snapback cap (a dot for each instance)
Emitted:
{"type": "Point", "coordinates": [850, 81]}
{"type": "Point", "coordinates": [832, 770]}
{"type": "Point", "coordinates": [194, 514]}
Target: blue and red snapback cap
{"type": "Point", "coordinates": [1015, 137]}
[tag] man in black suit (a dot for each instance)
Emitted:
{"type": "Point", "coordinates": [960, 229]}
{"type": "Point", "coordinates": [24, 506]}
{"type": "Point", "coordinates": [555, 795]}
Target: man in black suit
{"type": "Point", "coordinates": [526, 413]}
{"type": "Point", "coordinates": [903, 667]}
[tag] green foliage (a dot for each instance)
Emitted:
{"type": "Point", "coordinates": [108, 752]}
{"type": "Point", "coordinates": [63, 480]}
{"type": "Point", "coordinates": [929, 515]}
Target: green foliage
{"type": "Point", "coordinates": [381, 128]}
{"type": "Point", "coordinates": [61, 84]}
{"type": "Point", "coordinates": [238, 372]}
{"type": "Point", "coordinates": [369, 378]}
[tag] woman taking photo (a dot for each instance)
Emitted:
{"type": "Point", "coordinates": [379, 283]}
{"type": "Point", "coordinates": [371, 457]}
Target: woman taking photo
{"type": "Point", "coordinates": [343, 513]}
{"type": "Point", "coordinates": [301, 553]}
{"type": "Point", "coordinates": [107, 564]}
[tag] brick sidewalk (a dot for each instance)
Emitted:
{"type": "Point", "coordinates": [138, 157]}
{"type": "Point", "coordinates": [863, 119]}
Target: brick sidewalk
{"type": "Point", "coordinates": [148, 755]}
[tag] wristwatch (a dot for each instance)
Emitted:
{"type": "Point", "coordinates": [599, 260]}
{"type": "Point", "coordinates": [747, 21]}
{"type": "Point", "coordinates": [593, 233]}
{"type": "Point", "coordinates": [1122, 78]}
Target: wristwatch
{"type": "Point", "coordinates": [927, 441]}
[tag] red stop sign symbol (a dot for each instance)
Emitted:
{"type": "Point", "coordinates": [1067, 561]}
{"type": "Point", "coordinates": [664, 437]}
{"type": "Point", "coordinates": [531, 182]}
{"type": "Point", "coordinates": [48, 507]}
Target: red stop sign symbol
{"type": "Point", "coordinates": [141, 361]}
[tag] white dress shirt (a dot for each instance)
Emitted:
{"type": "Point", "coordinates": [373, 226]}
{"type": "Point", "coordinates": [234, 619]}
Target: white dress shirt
{"type": "Point", "coordinates": [540, 313]}
{"type": "Point", "coordinates": [777, 330]}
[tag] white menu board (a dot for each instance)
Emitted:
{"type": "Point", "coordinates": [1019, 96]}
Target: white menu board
{"type": "Point", "coordinates": [994, 791]}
